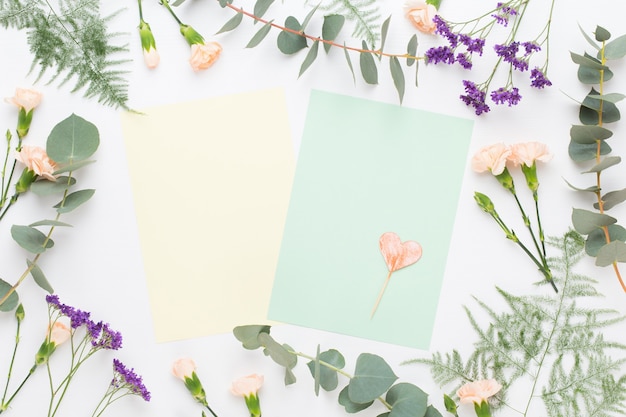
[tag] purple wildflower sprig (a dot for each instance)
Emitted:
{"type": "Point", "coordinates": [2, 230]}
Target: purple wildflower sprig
{"type": "Point", "coordinates": [467, 40]}
{"type": "Point", "coordinates": [86, 338]}
{"type": "Point", "coordinates": [125, 382]}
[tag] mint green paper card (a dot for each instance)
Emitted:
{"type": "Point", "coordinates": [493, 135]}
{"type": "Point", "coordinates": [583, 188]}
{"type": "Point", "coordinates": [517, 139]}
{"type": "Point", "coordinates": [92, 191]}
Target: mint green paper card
{"type": "Point", "coordinates": [365, 169]}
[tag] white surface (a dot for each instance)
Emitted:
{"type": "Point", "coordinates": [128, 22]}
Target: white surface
{"type": "Point", "coordinates": [96, 265]}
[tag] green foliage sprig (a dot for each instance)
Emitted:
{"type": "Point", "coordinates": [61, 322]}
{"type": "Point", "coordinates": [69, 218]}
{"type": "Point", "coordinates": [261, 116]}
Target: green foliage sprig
{"type": "Point", "coordinates": [551, 343]}
{"type": "Point", "coordinates": [588, 142]}
{"type": "Point", "coordinates": [71, 144]}
{"type": "Point", "coordinates": [373, 378]}
{"type": "Point", "coordinates": [294, 38]}
{"type": "Point", "coordinates": [73, 44]}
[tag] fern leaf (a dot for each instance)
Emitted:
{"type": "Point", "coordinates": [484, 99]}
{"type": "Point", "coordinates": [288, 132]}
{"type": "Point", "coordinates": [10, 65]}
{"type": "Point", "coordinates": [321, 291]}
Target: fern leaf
{"type": "Point", "coordinates": [365, 14]}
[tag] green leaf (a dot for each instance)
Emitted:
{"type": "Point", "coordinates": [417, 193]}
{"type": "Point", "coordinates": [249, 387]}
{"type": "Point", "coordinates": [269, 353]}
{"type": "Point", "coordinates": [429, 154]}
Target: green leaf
{"type": "Point", "coordinates": [315, 371]}
{"type": "Point", "coordinates": [290, 378]}
{"type": "Point", "coordinates": [616, 49]}
{"type": "Point", "coordinates": [333, 23]}
{"type": "Point", "coordinates": [73, 139]}
{"type": "Point", "coordinates": [248, 335]}
{"type": "Point", "coordinates": [50, 223]}
{"type": "Point", "coordinates": [586, 221]}
{"type": "Point", "coordinates": [607, 162]}
{"type": "Point", "coordinates": [612, 252]}
{"type": "Point", "coordinates": [611, 199]}
{"type": "Point", "coordinates": [590, 108]}
{"type": "Point", "coordinates": [588, 38]}
{"type": "Point", "coordinates": [432, 412]}
{"type": "Point", "coordinates": [308, 17]}
{"type": "Point", "coordinates": [12, 300]}
{"type": "Point", "coordinates": [587, 62]}
{"type": "Point", "coordinates": [276, 351]}
{"type": "Point", "coordinates": [411, 50]}
{"type": "Point", "coordinates": [73, 166]}
{"type": "Point", "coordinates": [397, 75]}
{"type": "Point", "coordinates": [347, 55]}
{"type": "Point", "coordinates": [42, 188]}
{"type": "Point", "coordinates": [407, 400]}
{"type": "Point", "coordinates": [232, 23]}
{"type": "Point", "coordinates": [592, 76]}
{"type": "Point", "coordinates": [31, 239]}
{"type": "Point", "coordinates": [597, 239]}
{"type": "Point", "coordinates": [260, 35]}
{"type": "Point", "coordinates": [310, 58]}
{"type": "Point", "coordinates": [260, 7]}
{"type": "Point", "coordinates": [580, 152]}
{"type": "Point", "coordinates": [592, 189]}
{"type": "Point", "coordinates": [39, 277]}
{"type": "Point", "coordinates": [602, 34]}
{"type": "Point", "coordinates": [74, 200]}
{"type": "Point", "coordinates": [589, 134]}
{"type": "Point", "coordinates": [348, 404]}
{"type": "Point", "coordinates": [290, 43]}
{"type": "Point", "coordinates": [611, 98]}
{"type": "Point", "coordinates": [224, 3]}
{"type": "Point", "coordinates": [324, 376]}
{"type": "Point", "coordinates": [383, 35]}
{"type": "Point", "coordinates": [368, 66]}
{"type": "Point", "coordinates": [372, 377]}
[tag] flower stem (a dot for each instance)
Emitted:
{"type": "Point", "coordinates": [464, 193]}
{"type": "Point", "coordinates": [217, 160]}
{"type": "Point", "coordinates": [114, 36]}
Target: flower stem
{"type": "Point", "coordinates": [5, 405]}
{"type": "Point", "coordinates": [167, 6]}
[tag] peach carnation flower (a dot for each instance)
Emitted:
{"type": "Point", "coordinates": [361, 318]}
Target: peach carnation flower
{"type": "Point", "coordinates": [59, 333]}
{"type": "Point", "coordinates": [36, 159]}
{"type": "Point", "coordinates": [247, 385]}
{"type": "Point", "coordinates": [528, 152]}
{"type": "Point", "coordinates": [491, 158]}
{"type": "Point", "coordinates": [25, 98]}
{"type": "Point", "coordinates": [478, 391]}
{"type": "Point", "coordinates": [183, 368]}
{"type": "Point", "coordinates": [203, 55]}
{"type": "Point", "coordinates": [421, 15]}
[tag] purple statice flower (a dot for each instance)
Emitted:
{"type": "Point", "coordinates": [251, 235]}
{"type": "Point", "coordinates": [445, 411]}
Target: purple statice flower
{"type": "Point", "coordinates": [440, 54]}
{"type": "Point", "coordinates": [473, 45]}
{"type": "Point", "coordinates": [509, 54]}
{"type": "Point", "coordinates": [502, 95]}
{"type": "Point", "coordinates": [463, 61]}
{"type": "Point", "coordinates": [538, 79]}
{"type": "Point", "coordinates": [442, 28]}
{"type": "Point", "coordinates": [474, 97]}
{"type": "Point", "coordinates": [530, 47]}
{"type": "Point", "coordinates": [103, 337]}
{"type": "Point", "coordinates": [127, 378]}
{"type": "Point", "coordinates": [77, 317]}
{"type": "Point", "coordinates": [503, 14]}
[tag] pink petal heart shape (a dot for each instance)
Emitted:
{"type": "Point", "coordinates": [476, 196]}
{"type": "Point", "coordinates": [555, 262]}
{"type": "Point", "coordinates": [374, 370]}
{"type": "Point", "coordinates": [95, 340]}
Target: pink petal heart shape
{"type": "Point", "coordinates": [399, 254]}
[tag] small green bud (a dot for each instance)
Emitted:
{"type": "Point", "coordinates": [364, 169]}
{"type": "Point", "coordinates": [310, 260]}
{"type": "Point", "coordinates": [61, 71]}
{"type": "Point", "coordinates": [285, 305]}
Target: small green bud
{"type": "Point", "coordinates": [26, 179]}
{"type": "Point", "coordinates": [449, 404]}
{"type": "Point", "coordinates": [484, 202]}
{"type": "Point", "coordinates": [19, 313]}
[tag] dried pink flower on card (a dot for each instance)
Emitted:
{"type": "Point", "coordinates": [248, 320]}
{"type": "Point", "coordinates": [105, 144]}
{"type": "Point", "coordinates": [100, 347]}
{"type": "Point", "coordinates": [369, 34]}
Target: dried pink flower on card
{"type": "Point", "coordinates": [399, 254]}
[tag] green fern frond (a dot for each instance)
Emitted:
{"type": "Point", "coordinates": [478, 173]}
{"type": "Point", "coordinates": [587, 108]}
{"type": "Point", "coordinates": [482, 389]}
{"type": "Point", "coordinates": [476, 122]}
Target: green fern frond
{"type": "Point", "coordinates": [548, 340]}
{"type": "Point", "coordinates": [72, 44]}
{"type": "Point", "coordinates": [364, 13]}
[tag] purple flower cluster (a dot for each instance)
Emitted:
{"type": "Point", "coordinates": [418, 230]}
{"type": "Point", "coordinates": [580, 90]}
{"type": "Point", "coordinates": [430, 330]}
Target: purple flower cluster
{"type": "Point", "coordinates": [127, 378]}
{"type": "Point", "coordinates": [502, 95]}
{"type": "Point", "coordinates": [503, 14]}
{"type": "Point", "coordinates": [446, 54]}
{"type": "Point", "coordinates": [101, 335]}
{"type": "Point", "coordinates": [509, 54]}
{"type": "Point", "coordinates": [474, 97]}
{"type": "Point", "coordinates": [538, 79]}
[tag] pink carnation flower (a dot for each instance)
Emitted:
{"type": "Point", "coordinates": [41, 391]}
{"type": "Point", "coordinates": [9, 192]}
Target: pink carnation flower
{"type": "Point", "coordinates": [247, 385]}
{"type": "Point", "coordinates": [528, 152]}
{"type": "Point", "coordinates": [478, 391]}
{"type": "Point", "coordinates": [36, 159]}
{"type": "Point", "coordinates": [491, 158]}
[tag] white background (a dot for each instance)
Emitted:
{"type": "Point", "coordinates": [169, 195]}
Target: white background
{"type": "Point", "coordinates": [96, 265]}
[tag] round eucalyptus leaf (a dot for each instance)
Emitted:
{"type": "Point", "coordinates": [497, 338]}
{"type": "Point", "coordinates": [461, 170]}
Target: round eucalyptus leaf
{"type": "Point", "coordinates": [12, 300]}
{"type": "Point", "coordinates": [72, 139]}
{"type": "Point", "coordinates": [597, 239]}
{"type": "Point", "coordinates": [611, 252]}
{"type": "Point", "coordinates": [372, 378]}
{"type": "Point", "coordinates": [348, 404]}
{"type": "Point", "coordinates": [44, 187]}
{"type": "Point", "coordinates": [31, 239]}
{"type": "Point", "coordinates": [407, 400]}
{"type": "Point", "coordinates": [74, 200]}
{"type": "Point", "coordinates": [288, 42]}
{"type": "Point", "coordinates": [585, 221]}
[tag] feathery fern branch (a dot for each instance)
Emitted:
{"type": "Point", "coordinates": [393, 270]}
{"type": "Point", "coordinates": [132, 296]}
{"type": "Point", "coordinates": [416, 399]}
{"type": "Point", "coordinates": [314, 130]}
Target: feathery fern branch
{"type": "Point", "coordinates": [364, 13]}
{"type": "Point", "coordinates": [548, 341]}
{"type": "Point", "coordinates": [73, 43]}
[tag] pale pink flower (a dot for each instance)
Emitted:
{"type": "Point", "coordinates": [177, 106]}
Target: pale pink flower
{"type": "Point", "coordinates": [183, 368]}
{"type": "Point", "coordinates": [247, 385]}
{"type": "Point", "coordinates": [25, 98]}
{"type": "Point", "coordinates": [491, 158]}
{"type": "Point", "coordinates": [36, 159]}
{"type": "Point", "coordinates": [528, 152]}
{"type": "Point", "coordinates": [151, 58]}
{"type": "Point", "coordinates": [478, 391]}
{"type": "Point", "coordinates": [421, 15]}
{"type": "Point", "coordinates": [204, 55]}
{"type": "Point", "coordinates": [59, 333]}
